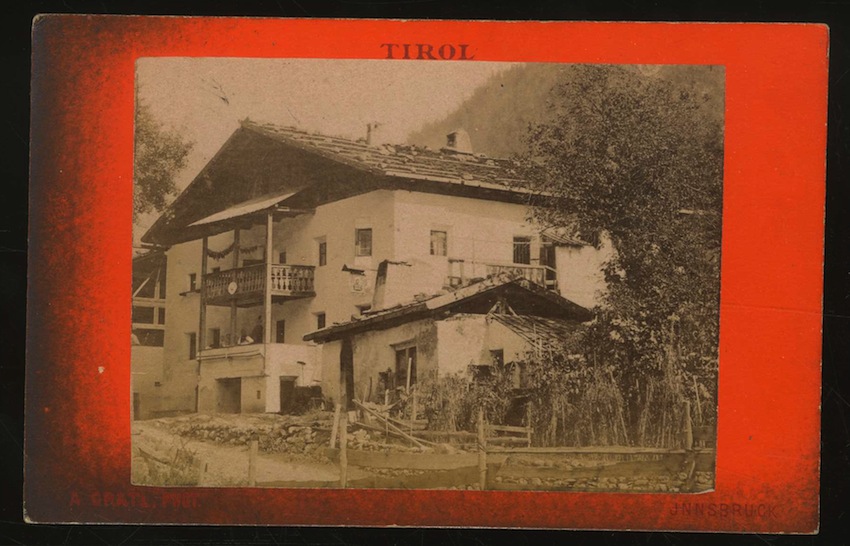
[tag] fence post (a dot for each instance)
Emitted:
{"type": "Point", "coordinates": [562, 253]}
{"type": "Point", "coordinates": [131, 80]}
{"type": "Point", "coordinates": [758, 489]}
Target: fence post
{"type": "Point", "coordinates": [689, 429]}
{"type": "Point", "coordinates": [343, 448]}
{"type": "Point", "coordinates": [335, 425]}
{"type": "Point", "coordinates": [482, 451]}
{"type": "Point", "coordinates": [253, 448]}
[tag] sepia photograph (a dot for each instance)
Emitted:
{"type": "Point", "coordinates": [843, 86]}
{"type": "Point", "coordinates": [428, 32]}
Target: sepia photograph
{"type": "Point", "coordinates": [404, 274]}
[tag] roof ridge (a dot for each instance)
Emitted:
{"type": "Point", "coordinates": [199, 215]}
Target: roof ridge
{"type": "Point", "coordinates": [400, 149]}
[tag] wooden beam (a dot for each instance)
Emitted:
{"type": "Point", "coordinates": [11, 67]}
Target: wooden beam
{"type": "Point", "coordinates": [482, 451]}
{"type": "Point", "coordinates": [144, 283]}
{"type": "Point", "coordinates": [343, 448]}
{"type": "Point", "coordinates": [346, 354]}
{"type": "Point", "coordinates": [290, 212]}
{"type": "Point", "coordinates": [592, 450]}
{"type": "Point", "coordinates": [416, 441]}
{"type": "Point", "coordinates": [253, 448]}
{"type": "Point", "coordinates": [335, 427]}
{"type": "Point", "coordinates": [202, 315]}
{"type": "Point", "coordinates": [267, 286]}
{"type": "Point", "coordinates": [234, 335]}
{"type": "Point", "coordinates": [148, 302]}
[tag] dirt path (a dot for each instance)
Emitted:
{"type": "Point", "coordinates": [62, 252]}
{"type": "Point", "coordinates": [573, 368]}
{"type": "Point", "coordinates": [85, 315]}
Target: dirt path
{"type": "Point", "coordinates": [225, 465]}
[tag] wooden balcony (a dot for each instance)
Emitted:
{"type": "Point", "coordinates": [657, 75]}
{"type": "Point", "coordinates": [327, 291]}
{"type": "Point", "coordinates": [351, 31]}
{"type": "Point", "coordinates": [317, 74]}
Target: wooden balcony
{"type": "Point", "coordinates": [539, 274]}
{"type": "Point", "coordinates": [461, 270]}
{"type": "Point", "coordinates": [246, 285]}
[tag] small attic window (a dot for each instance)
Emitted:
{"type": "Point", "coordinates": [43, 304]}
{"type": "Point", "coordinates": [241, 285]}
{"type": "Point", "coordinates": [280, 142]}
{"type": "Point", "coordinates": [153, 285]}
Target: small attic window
{"type": "Point", "coordinates": [458, 142]}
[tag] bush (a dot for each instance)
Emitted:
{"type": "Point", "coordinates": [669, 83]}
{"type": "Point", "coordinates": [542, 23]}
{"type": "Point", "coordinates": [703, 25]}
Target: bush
{"type": "Point", "coordinates": [182, 469]}
{"type": "Point", "coordinates": [451, 402]}
{"type": "Point", "coordinates": [573, 401]}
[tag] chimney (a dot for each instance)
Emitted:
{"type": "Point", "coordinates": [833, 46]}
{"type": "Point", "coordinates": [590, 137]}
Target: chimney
{"type": "Point", "coordinates": [398, 283]}
{"type": "Point", "coordinates": [458, 142]}
{"type": "Point", "coordinates": [374, 135]}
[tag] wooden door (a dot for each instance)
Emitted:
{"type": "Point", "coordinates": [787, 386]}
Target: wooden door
{"type": "Point", "coordinates": [287, 394]}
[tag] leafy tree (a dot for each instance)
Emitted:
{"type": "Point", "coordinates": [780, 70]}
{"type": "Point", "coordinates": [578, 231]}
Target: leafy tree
{"type": "Point", "coordinates": [638, 158]}
{"type": "Point", "coordinates": [159, 155]}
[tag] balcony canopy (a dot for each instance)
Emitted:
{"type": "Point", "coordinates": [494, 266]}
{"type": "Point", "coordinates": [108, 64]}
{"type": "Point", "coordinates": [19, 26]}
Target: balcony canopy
{"type": "Point", "coordinates": [244, 209]}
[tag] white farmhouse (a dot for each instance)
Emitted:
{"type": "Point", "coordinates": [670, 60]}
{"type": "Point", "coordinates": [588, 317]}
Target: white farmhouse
{"type": "Point", "coordinates": [286, 234]}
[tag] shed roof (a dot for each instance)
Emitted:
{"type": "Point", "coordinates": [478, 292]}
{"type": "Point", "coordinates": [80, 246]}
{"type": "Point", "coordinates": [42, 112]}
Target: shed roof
{"type": "Point", "coordinates": [247, 207]}
{"type": "Point", "coordinates": [526, 297]}
{"type": "Point", "coordinates": [549, 331]}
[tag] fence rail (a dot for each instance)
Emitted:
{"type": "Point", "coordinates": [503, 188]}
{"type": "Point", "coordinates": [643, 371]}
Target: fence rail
{"type": "Point", "coordinates": [487, 464]}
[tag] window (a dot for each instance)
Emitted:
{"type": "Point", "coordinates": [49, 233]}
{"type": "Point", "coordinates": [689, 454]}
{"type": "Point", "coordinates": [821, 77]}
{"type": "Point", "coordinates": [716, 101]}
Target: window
{"type": "Point", "coordinates": [281, 257]}
{"type": "Point", "coordinates": [143, 315]}
{"type": "Point", "coordinates": [193, 345]}
{"type": "Point", "coordinates": [323, 253]}
{"type": "Point", "coordinates": [481, 373]}
{"type": "Point", "coordinates": [280, 331]}
{"type": "Point", "coordinates": [547, 259]}
{"type": "Point", "coordinates": [363, 242]}
{"type": "Point", "coordinates": [405, 367]}
{"type": "Point", "coordinates": [497, 357]}
{"type": "Point", "coordinates": [150, 337]}
{"type": "Point", "coordinates": [439, 240]}
{"type": "Point", "coordinates": [320, 320]}
{"type": "Point", "coordinates": [193, 282]}
{"type": "Point", "coordinates": [522, 250]}
{"type": "Point", "coordinates": [160, 315]}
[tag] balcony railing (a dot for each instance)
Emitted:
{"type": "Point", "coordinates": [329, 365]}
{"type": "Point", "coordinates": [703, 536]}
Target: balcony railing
{"type": "Point", "coordinates": [292, 278]}
{"type": "Point", "coordinates": [460, 270]}
{"type": "Point", "coordinates": [534, 273]}
{"type": "Point", "coordinates": [249, 282]}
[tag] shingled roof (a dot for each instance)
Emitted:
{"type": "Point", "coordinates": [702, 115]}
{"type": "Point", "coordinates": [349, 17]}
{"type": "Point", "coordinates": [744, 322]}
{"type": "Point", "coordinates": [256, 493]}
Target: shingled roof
{"type": "Point", "coordinates": [405, 161]}
{"type": "Point", "coordinates": [263, 160]}
{"type": "Point", "coordinates": [526, 297]}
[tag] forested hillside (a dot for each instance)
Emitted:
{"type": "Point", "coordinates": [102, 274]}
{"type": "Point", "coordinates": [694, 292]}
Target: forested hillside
{"type": "Point", "coordinates": [498, 114]}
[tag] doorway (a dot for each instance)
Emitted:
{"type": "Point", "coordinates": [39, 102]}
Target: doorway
{"type": "Point", "coordinates": [405, 367]}
{"type": "Point", "coordinates": [229, 395]}
{"type": "Point", "coordinates": [547, 259]}
{"type": "Point", "coordinates": [287, 394]}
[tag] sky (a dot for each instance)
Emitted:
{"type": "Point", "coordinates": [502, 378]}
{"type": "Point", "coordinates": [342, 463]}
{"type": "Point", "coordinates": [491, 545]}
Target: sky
{"type": "Point", "coordinates": [205, 98]}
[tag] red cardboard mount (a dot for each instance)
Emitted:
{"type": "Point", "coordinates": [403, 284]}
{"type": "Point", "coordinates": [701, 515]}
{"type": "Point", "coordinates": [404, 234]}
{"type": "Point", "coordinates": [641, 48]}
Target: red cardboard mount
{"type": "Point", "coordinates": [77, 460]}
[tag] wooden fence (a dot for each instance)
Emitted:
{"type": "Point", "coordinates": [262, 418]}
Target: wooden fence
{"type": "Point", "coordinates": [493, 446]}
